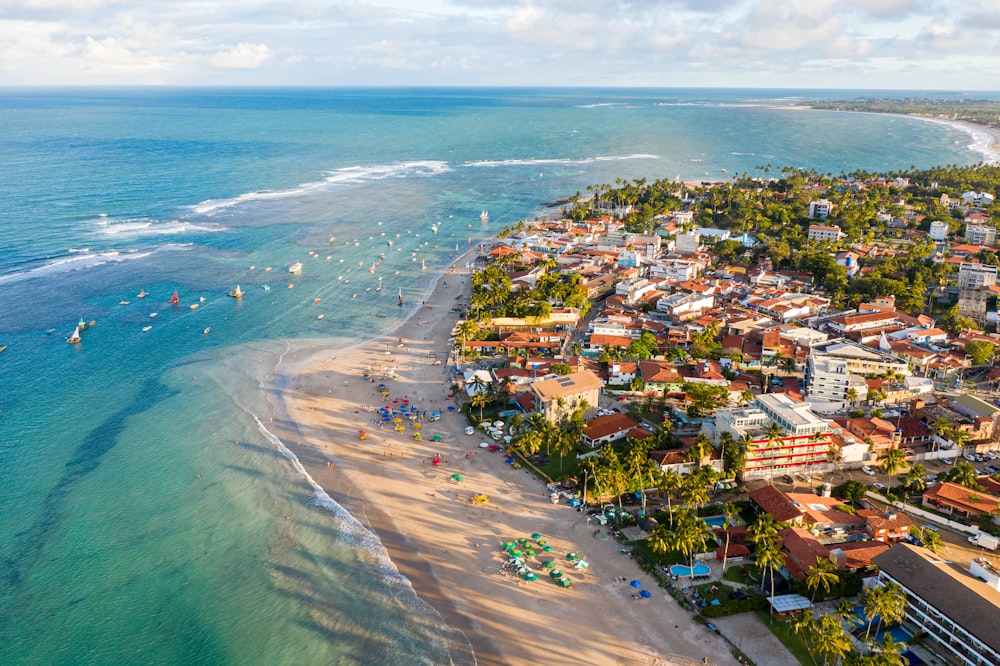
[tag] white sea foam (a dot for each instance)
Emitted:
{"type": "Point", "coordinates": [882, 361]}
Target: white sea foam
{"type": "Point", "coordinates": [562, 160]}
{"type": "Point", "coordinates": [346, 175]}
{"type": "Point", "coordinates": [356, 534]}
{"type": "Point", "coordinates": [982, 138]}
{"type": "Point", "coordinates": [75, 262]}
{"type": "Point", "coordinates": [141, 227]}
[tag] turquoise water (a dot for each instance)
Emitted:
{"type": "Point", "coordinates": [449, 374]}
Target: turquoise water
{"type": "Point", "coordinates": [719, 521]}
{"type": "Point", "coordinates": [700, 569]}
{"type": "Point", "coordinates": [131, 528]}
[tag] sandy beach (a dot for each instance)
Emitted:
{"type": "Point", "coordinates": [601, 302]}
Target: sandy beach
{"type": "Point", "coordinates": [448, 547]}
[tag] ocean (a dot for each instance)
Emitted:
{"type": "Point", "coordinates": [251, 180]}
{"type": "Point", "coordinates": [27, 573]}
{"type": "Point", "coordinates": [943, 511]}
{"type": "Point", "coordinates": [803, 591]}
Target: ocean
{"type": "Point", "coordinates": [132, 530]}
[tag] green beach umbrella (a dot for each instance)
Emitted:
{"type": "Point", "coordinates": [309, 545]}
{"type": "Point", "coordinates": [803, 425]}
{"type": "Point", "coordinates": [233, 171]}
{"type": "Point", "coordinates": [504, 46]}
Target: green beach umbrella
{"type": "Point", "coordinates": [541, 542]}
{"type": "Point", "coordinates": [564, 582]}
{"type": "Point", "coordinates": [516, 553]}
{"type": "Point", "coordinates": [555, 573]}
{"type": "Point", "coordinates": [522, 541]}
{"type": "Point", "coordinates": [548, 549]}
{"type": "Point", "coordinates": [508, 544]}
{"type": "Point", "coordinates": [572, 556]}
{"type": "Point", "coordinates": [530, 576]}
{"type": "Point", "coordinates": [549, 565]}
{"type": "Point", "coordinates": [536, 536]}
{"type": "Point", "coordinates": [530, 552]}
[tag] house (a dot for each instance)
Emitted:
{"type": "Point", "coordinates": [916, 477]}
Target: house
{"type": "Point", "coordinates": [609, 428]}
{"type": "Point", "coordinates": [559, 397]}
{"type": "Point", "coordinates": [771, 500]}
{"type": "Point", "coordinates": [886, 526]}
{"type": "Point", "coordinates": [953, 611]}
{"type": "Point", "coordinates": [821, 209]}
{"type": "Point", "coordinates": [952, 498]}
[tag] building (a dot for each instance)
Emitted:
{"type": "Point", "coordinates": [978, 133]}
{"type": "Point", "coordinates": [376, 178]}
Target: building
{"type": "Point", "coordinates": [971, 276]}
{"type": "Point", "coordinates": [938, 231]}
{"type": "Point", "coordinates": [973, 303]}
{"type": "Point", "coordinates": [831, 364]}
{"type": "Point", "coordinates": [981, 234]}
{"type": "Point", "coordinates": [688, 243]}
{"type": "Point", "coordinates": [954, 611]}
{"type": "Point", "coordinates": [803, 447]}
{"type": "Point", "coordinates": [821, 209]}
{"type": "Point", "coordinates": [952, 498]}
{"type": "Point", "coordinates": [559, 397]}
{"type": "Point", "coordinates": [609, 428]}
{"type": "Point", "coordinates": [819, 232]}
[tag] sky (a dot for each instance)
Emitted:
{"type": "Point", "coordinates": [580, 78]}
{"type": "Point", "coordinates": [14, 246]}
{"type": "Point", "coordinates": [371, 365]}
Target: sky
{"type": "Point", "coordinates": [877, 44]}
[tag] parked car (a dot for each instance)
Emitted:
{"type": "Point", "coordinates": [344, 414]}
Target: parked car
{"type": "Point", "coordinates": [989, 455]}
{"type": "Point", "coordinates": [990, 470]}
{"type": "Point", "coordinates": [788, 478]}
{"type": "Point", "coordinates": [868, 470]}
{"type": "Point", "coordinates": [969, 457]}
{"type": "Point", "coordinates": [878, 486]}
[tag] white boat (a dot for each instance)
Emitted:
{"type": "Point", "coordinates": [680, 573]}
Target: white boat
{"type": "Point", "coordinates": [142, 294]}
{"type": "Point", "coordinates": [123, 302]}
{"type": "Point", "coordinates": [320, 316]}
{"type": "Point", "coordinates": [208, 330]}
{"type": "Point", "coordinates": [75, 337]}
{"type": "Point", "coordinates": [484, 216]}
{"type": "Point", "coordinates": [434, 228]}
{"type": "Point", "coordinates": [153, 314]}
{"type": "Point", "coordinates": [295, 268]}
{"type": "Point", "coordinates": [147, 329]}
{"type": "Point", "coordinates": [265, 287]}
{"type": "Point", "coordinates": [194, 306]}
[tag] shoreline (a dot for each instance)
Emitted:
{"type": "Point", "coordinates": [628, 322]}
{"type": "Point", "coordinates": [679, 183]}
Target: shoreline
{"type": "Point", "coordinates": [449, 549]}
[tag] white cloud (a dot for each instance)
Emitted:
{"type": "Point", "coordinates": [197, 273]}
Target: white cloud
{"type": "Point", "coordinates": [243, 56]}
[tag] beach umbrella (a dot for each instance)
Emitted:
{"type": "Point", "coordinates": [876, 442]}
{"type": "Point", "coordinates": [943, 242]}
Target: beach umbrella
{"type": "Point", "coordinates": [484, 445]}
{"type": "Point", "coordinates": [436, 438]}
{"type": "Point", "coordinates": [530, 552]}
{"type": "Point", "coordinates": [645, 594]}
{"type": "Point", "coordinates": [549, 565]}
{"type": "Point", "coordinates": [451, 408]}
{"type": "Point", "coordinates": [536, 536]}
{"type": "Point", "coordinates": [555, 573]}
{"type": "Point", "coordinates": [397, 420]}
{"type": "Point", "coordinates": [564, 582]}
{"type": "Point", "coordinates": [417, 426]}
{"type": "Point", "coordinates": [530, 576]}
{"type": "Point", "coordinates": [507, 438]}
{"type": "Point", "coordinates": [541, 541]}
{"type": "Point", "coordinates": [635, 583]}
{"type": "Point", "coordinates": [581, 564]}
{"type": "Point", "coordinates": [548, 549]}
{"type": "Point", "coordinates": [522, 540]}
{"type": "Point", "coordinates": [572, 556]}
{"type": "Point", "coordinates": [508, 544]}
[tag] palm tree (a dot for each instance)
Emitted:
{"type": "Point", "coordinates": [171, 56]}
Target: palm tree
{"type": "Point", "coordinates": [964, 474]}
{"type": "Point", "coordinates": [689, 536]}
{"type": "Point", "coordinates": [915, 478]}
{"type": "Point", "coordinates": [668, 483]}
{"type": "Point", "coordinates": [894, 461]}
{"type": "Point", "coordinates": [765, 528]}
{"type": "Point", "coordinates": [823, 575]}
{"type": "Point", "coordinates": [852, 395]}
{"type": "Point", "coordinates": [730, 512]}
{"type": "Point", "coordinates": [516, 424]}
{"type": "Point", "coordinates": [803, 626]}
{"type": "Point", "coordinates": [770, 557]}
{"type": "Point", "coordinates": [480, 400]}
{"type": "Point", "coordinates": [466, 330]}
{"type": "Point", "coordinates": [694, 492]}
{"type": "Point", "coordinates": [959, 437]}
{"type": "Point", "coordinates": [941, 428]}
{"type": "Point", "coordinates": [932, 540]}
{"type": "Point", "coordinates": [700, 449]}
{"type": "Point", "coordinates": [746, 396]}
{"type": "Point", "coordinates": [773, 434]}
{"type": "Point", "coordinates": [887, 602]}
{"type": "Point", "coordinates": [564, 443]}
{"type": "Point", "coordinates": [890, 653]}
{"type": "Point", "coordinates": [636, 459]}
{"type": "Point", "coordinates": [829, 639]}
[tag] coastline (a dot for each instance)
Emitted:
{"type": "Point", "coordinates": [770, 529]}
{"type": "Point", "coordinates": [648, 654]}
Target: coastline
{"type": "Point", "coordinates": [449, 549]}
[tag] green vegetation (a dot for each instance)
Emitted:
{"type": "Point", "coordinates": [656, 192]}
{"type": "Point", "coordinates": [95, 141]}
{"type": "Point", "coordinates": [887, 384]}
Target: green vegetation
{"type": "Point", "coordinates": [979, 111]}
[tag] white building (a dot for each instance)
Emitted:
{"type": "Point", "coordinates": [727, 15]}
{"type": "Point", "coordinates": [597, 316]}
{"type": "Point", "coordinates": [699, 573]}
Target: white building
{"type": "Point", "coordinates": [688, 243]}
{"type": "Point", "coordinates": [685, 306]}
{"type": "Point", "coordinates": [981, 234]}
{"type": "Point", "coordinates": [973, 198]}
{"type": "Point", "coordinates": [938, 231]}
{"type": "Point", "coordinates": [971, 276]}
{"type": "Point", "coordinates": [675, 270]}
{"type": "Point", "coordinates": [819, 232]}
{"type": "Point", "coordinates": [820, 209]}
{"type": "Point", "coordinates": [633, 290]}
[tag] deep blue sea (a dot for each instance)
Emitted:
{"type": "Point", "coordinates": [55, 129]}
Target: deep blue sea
{"type": "Point", "coordinates": [112, 548]}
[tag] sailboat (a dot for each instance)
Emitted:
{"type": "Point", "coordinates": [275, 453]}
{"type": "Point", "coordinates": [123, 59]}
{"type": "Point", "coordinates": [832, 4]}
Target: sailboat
{"type": "Point", "coordinates": [75, 338]}
{"type": "Point", "coordinates": [236, 293]}
{"type": "Point", "coordinates": [400, 297]}
{"type": "Point", "coordinates": [379, 287]}
{"type": "Point", "coordinates": [484, 216]}
{"type": "Point", "coordinates": [175, 299]}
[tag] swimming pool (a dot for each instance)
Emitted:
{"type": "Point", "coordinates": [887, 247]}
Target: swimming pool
{"type": "Point", "coordinates": [718, 521]}
{"type": "Point", "coordinates": [700, 569]}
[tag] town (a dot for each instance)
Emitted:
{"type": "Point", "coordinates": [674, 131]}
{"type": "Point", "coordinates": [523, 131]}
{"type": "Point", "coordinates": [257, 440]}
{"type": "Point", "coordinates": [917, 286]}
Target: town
{"type": "Point", "coordinates": [792, 373]}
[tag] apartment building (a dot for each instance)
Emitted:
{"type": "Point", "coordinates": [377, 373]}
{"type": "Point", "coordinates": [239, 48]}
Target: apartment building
{"type": "Point", "coordinates": [981, 234]}
{"type": "Point", "coordinates": [821, 209]}
{"type": "Point", "coordinates": [955, 611]}
{"type": "Point", "coordinates": [971, 276]}
{"type": "Point", "coordinates": [819, 232]}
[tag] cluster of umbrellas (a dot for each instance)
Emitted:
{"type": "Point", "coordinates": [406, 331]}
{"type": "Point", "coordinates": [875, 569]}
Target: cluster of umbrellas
{"type": "Point", "coordinates": [525, 547]}
{"type": "Point", "coordinates": [645, 594]}
{"type": "Point", "coordinates": [495, 430]}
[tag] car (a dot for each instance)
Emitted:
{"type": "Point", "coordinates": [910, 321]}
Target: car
{"type": "Point", "coordinates": [878, 486]}
{"type": "Point", "coordinates": [932, 528]}
{"type": "Point", "coordinates": [777, 381]}
{"type": "Point", "coordinates": [788, 478]}
{"type": "Point", "coordinates": [931, 478]}
{"type": "Point", "coordinates": [969, 457]}
{"type": "Point", "coordinates": [990, 470]}
{"type": "Point", "coordinates": [948, 461]}
{"type": "Point", "coordinates": [622, 399]}
{"type": "Point", "coordinates": [989, 455]}
{"type": "Point", "coordinates": [868, 470]}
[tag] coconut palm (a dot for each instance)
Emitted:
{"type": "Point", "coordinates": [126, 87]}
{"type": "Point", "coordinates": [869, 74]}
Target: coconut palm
{"type": "Point", "coordinates": [852, 395]}
{"type": "Point", "coordinates": [823, 575]}
{"type": "Point", "coordinates": [770, 557]}
{"type": "Point", "coordinates": [730, 514]}
{"type": "Point", "coordinates": [915, 478]}
{"type": "Point", "coordinates": [765, 528]}
{"type": "Point", "coordinates": [688, 536]}
{"type": "Point", "coordinates": [964, 474]}
{"type": "Point", "coordinates": [887, 602]}
{"type": "Point", "coordinates": [889, 652]}
{"type": "Point", "coordinates": [960, 438]}
{"type": "Point", "coordinates": [932, 540]}
{"type": "Point", "coordinates": [941, 428]}
{"type": "Point", "coordinates": [894, 461]}
{"type": "Point", "coordinates": [480, 400]}
{"type": "Point", "coordinates": [668, 483]}
{"type": "Point", "coordinates": [694, 492]}
{"type": "Point", "coordinates": [829, 639]}
{"type": "Point", "coordinates": [466, 330]}
{"type": "Point", "coordinates": [804, 626]}
{"type": "Point", "coordinates": [700, 449]}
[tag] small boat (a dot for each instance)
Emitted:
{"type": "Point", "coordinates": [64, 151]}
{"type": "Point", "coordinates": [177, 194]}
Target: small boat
{"type": "Point", "coordinates": [153, 314]}
{"type": "Point", "coordinates": [194, 306]}
{"type": "Point", "coordinates": [484, 216]}
{"type": "Point", "coordinates": [434, 228]}
{"type": "Point", "coordinates": [400, 297]}
{"type": "Point", "coordinates": [295, 268]}
{"type": "Point", "coordinates": [236, 293]}
{"type": "Point", "coordinates": [379, 287]}
{"type": "Point", "coordinates": [252, 267]}
{"type": "Point", "coordinates": [267, 270]}
{"type": "Point", "coordinates": [316, 300]}
{"type": "Point", "coordinates": [50, 331]}
{"type": "Point", "coordinates": [208, 330]}
{"type": "Point", "coordinates": [320, 317]}
{"type": "Point", "coordinates": [175, 299]}
{"type": "Point", "coordinates": [75, 337]}
{"type": "Point", "coordinates": [123, 302]}
{"type": "Point", "coordinates": [82, 325]}
{"type": "Point", "coordinates": [3, 348]}
{"type": "Point", "coordinates": [389, 242]}
{"type": "Point", "coordinates": [291, 285]}
{"type": "Point", "coordinates": [372, 269]}
{"type": "Point", "coordinates": [147, 329]}
{"type": "Point", "coordinates": [142, 294]}
{"type": "Point", "coordinates": [201, 300]}
{"type": "Point", "coordinates": [265, 287]}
